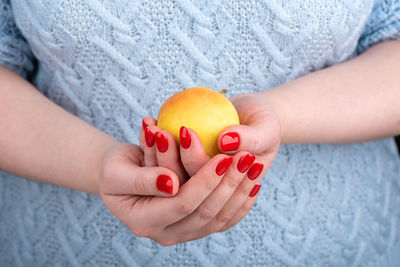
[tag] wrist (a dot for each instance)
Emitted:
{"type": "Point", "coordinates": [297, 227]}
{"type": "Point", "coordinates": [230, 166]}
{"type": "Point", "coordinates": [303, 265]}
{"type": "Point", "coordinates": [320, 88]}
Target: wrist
{"type": "Point", "coordinates": [276, 101]}
{"type": "Point", "coordinates": [95, 170]}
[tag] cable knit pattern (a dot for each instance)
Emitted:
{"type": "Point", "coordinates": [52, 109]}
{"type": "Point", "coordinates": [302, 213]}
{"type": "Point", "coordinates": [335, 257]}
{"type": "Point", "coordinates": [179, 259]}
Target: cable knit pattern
{"type": "Point", "coordinates": [382, 25]}
{"type": "Point", "coordinates": [15, 53]}
{"type": "Point", "coordinates": [113, 62]}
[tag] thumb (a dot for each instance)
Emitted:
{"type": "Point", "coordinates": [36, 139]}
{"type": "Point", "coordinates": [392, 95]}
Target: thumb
{"type": "Point", "coordinates": [127, 179]}
{"type": "Point", "coordinates": [258, 137]}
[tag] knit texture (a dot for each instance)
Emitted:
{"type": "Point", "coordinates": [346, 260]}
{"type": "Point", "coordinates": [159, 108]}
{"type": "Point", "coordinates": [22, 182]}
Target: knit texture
{"type": "Point", "coordinates": [113, 62]}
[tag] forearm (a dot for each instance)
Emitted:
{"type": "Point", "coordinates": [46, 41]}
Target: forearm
{"type": "Point", "coordinates": [355, 101]}
{"type": "Point", "coordinates": [41, 141]}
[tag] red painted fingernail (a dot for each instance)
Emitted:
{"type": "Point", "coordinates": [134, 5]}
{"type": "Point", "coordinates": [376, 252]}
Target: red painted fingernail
{"type": "Point", "coordinates": [223, 165]}
{"type": "Point", "coordinates": [255, 171]}
{"type": "Point", "coordinates": [230, 141]}
{"type": "Point", "coordinates": [255, 190]}
{"type": "Point", "coordinates": [144, 125]}
{"type": "Point", "coordinates": [161, 142]}
{"type": "Point", "coordinates": [184, 137]}
{"type": "Point", "coordinates": [165, 184]}
{"type": "Point", "coordinates": [245, 162]}
{"type": "Point", "coordinates": [150, 137]}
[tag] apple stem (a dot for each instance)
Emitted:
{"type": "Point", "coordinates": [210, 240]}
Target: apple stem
{"type": "Point", "coordinates": [223, 91]}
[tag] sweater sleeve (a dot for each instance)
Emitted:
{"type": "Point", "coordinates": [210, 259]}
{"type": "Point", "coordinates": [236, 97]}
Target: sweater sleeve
{"type": "Point", "coordinates": [15, 52]}
{"type": "Point", "coordinates": [383, 24]}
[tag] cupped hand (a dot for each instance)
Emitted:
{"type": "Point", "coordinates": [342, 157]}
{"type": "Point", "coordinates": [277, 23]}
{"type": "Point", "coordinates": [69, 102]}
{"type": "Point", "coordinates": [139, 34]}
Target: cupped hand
{"type": "Point", "coordinates": [254, 143]}
{"type": "Point", "coordinates": [244, 182]}
{"type": "Point", "coordinates": [160, 209]}
{"type": "Point", "coordinates": [259, 131]}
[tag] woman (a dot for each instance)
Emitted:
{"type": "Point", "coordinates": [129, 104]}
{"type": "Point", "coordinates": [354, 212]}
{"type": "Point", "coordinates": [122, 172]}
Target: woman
{"type": "Point", "coordinates": [309, 73]}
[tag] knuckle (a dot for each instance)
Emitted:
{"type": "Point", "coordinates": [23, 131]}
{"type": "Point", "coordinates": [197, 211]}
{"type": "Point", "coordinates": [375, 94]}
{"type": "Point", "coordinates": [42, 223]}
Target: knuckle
{"type": "Point", "coordinates": [211, 184]}
{"type": "Point", "coordinates": [185, 208]}
{"type": "Point", "coordinates": [233, 182]}
{"type": "Point", "coordinates": [243, 192]}
{"type": "Point", "coordinates": [223, 217]}
{"type": "Point", "coordinates": [246, 207]}
{"type": "Point", "coordinates": [205, 212]}
{"type": "Point", "coordinates": [139, 185]}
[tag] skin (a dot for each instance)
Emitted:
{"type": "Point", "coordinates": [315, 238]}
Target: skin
{"type": "Point", "coordinates": [352, 102]}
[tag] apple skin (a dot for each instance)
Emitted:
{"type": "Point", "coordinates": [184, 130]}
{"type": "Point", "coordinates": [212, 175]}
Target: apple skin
{"type": "Point", "coordinates": [204, 110]}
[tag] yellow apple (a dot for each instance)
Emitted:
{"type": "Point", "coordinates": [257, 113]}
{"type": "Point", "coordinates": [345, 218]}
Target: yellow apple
{"type": "Point", "coordinates": [205, 111]}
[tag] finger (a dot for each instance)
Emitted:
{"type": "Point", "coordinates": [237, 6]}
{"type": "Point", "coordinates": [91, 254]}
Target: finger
{"type": "Point", "coordinates": [129, 179]}
{"type": "Point", "coordinates": [205, 231]}
{"type": "Point", "coordinates": [211, 206]}
{"type": "Point", "coordinates": [253, 176]}
{"type": "Point", "coordinates": [167, 154]}
{"type": "Point", "coordinates": [149, 150]}
{"type": "Point", "coordinates": [147, 121]}
{"type": "Point", "coordinates": [262, 134]}
{"type": "Point", "coordinates": [192, 152]}
{"type": "Point", "coordinates": [142, 141]}
{"type": "Point", "coordinates": [192, 193]}
{"type": "Point", "coordinates": [244, 210]}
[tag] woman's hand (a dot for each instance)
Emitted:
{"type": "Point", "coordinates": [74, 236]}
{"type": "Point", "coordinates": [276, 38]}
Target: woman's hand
{"type": "Point", "coordinates": [151, 203]}
{"type": "Point", "coordinates": [160, 149]}
{"type": "Point", "coordinates": [259, 133]}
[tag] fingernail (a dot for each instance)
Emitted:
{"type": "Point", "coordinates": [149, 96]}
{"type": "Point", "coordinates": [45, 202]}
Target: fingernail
{"type": "Point", "coordinates": [184, 137]}
{"type": "Point", "coordinates": [161, 142]}
{"type": "Point", "coordinates": [255, 190]}
{"type": "Point", "coordinates": [150, 137]}
{"type": "Point", "coordinates": [165, 184]}
{"type": "Point", "coordinates": [245, 162]}
{"type": "Point", "coordinates": [223, 165]}
{"type": "Point", "coordinates": [144, 125]}
{"type": "Point", "coordinates": [230, 141]}
{"type": "Point", "coordinates": [255, 171]}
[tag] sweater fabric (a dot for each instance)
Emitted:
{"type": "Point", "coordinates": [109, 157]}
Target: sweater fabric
{"type": "Point", "coordinates": [113, 62]}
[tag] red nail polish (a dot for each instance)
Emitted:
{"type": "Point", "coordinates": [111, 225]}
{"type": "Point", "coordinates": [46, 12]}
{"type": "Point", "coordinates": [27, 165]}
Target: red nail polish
{"type": "Point", "coordinates": [255, 171]}
{"type": "Point", "coordinates": [255, 190]}
{"type": "Point", "coordinates": [230, 141]}
{"type": "Point", "coordinates": [223, 165]}
{"type": "Point", "coordinates": [144, 125]}
{"type": "Point", "coordinates": [161, 142]}
{"type": "Point", "coordinates": [150, 137]}
{"type": "Point", "coordinates": [245, 162]}
{"type": "Point", "coordinates": [184, 137]}
{"type": "Point", "coordinates": [165, 184]}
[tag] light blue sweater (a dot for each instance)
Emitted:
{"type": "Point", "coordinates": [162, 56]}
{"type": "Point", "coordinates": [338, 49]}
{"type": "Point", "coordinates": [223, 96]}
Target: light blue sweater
{"type": "Point", "coordinates": [112, 62]}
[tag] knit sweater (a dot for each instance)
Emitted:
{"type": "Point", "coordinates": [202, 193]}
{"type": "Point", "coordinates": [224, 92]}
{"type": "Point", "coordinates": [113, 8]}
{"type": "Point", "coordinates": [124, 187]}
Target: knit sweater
{"type": "Point", "coordinates": [113, 62]}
